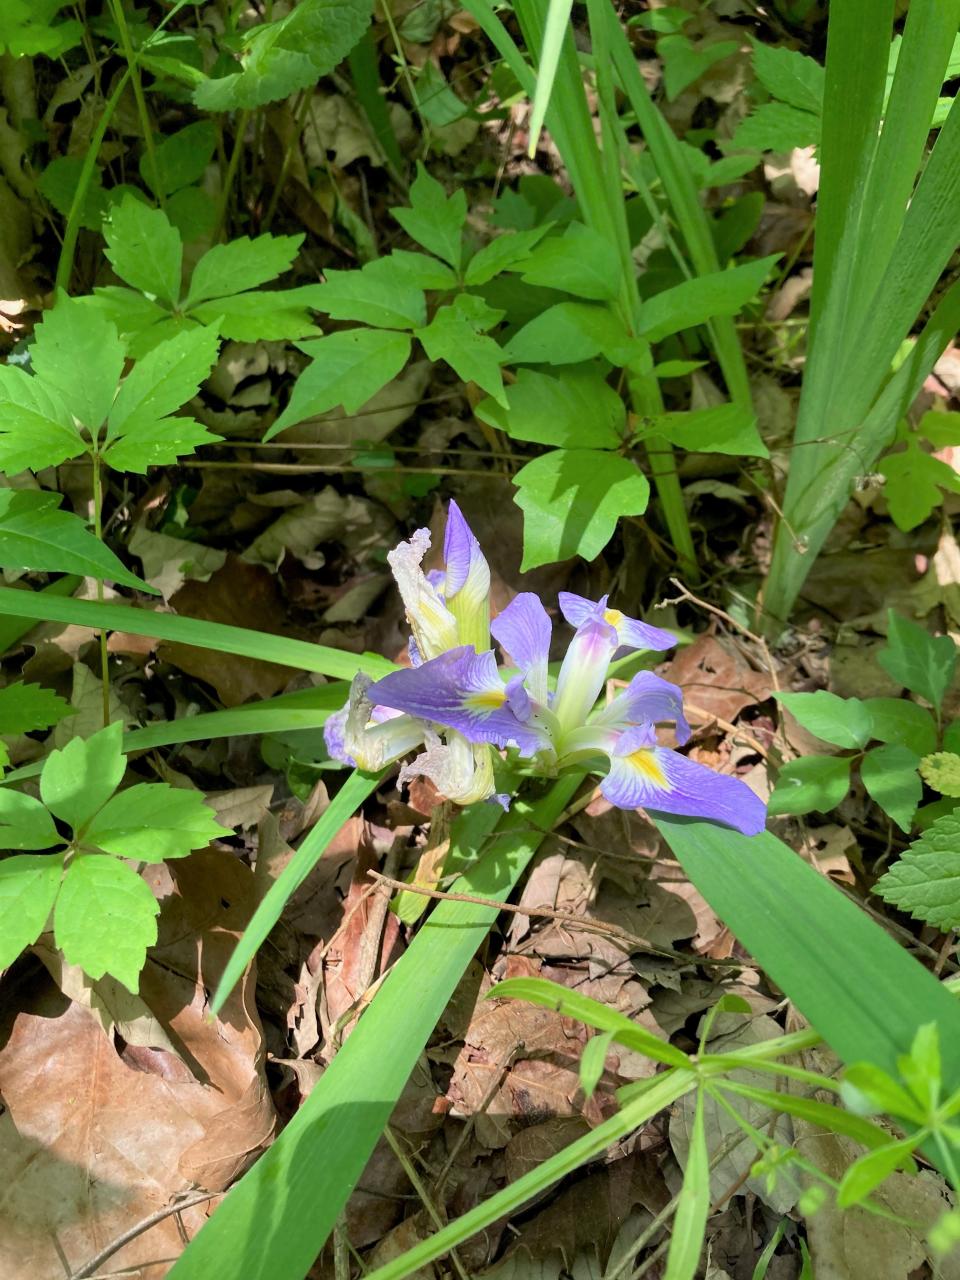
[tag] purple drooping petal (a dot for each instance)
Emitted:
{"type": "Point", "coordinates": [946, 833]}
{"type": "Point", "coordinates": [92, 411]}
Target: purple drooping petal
{"type": "Point", "coordinates": [655, 778]}
{"type": "Point", "coordinates": [518, 700]}
{"type": "Point", "coordinates": [333, 731]}
{"type": "Point", "coordinates": [631, 633]}
{"type": "Point", "coordinates": [461, 550]}
{"type": "Point", "coordinates": [583, 671]}
{"type": "Point", "coordinates": [523, 631]}
{"type": "Point", "coordinates": [646, 698]}
{"type": "Point", "coordinates": [462, 690]}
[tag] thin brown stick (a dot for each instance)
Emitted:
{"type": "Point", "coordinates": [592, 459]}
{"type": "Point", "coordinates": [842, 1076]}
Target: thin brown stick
{"type": "Point", "coordinates": [138, 1229]}
{"type": "Point", "coordinates": [759, 641]}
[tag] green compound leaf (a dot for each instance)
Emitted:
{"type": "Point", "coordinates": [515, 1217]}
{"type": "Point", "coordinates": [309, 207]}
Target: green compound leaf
{"type": "Point", "coordinates": [581, 262]}
{"type": "Point", "coordinates": [472, 355]}
{"type": "Point", "coordinates": [572, 499]}
{"type": "Point", "coordinates": [25, 823]}
{"type": "Point", "coordinates": [813, 783]}
{"type": "Point", "coordinates": [78, 779]}
{"type": "Point", "coordinates": [181, 157]}
{"type": "Point", "coordinates": [926, 880]}
{"type": "Point", "coordinates": [28, 889]}
{"type": "Point", "coordinates": [844, 722]}
{"type": "Point", "coordinates": [776, 126]}
{"type": "Point", "coordinates": [228, 269]}
{"type": "Point", "coordinates": [902, 723]}
{"type": "Point", "coordinates": [151, 822]}
{"type": "Point", "coordinates": [789, 76]}
{"type": "Point", "coordinates": [373, 295]}
{"type": "Point", "coordinates": [890, 776]}
{"type": "Point", "coordinates": [941, 771]}
{"type": "Point", "coordinates": [36, 428]}
{"type": "Point", "coordinates": [694, 302]}
{"type": "Point", "coordinates": [435, 220]}
{"type": "Point", "coordinates": [78, 354]}
{"type": "Point", "coordinates": [348, 369]}
{"type": "Point", "coordinates": [34, 534]}
{"type": "Point", "coordinates": [25, 707]}
{"type": "Point", "coordinates": [105, 918]}
{"type": "Point", "coordinates": [922, 663]}
{"type": "Point", "coordinates": [722, 428]}
{"type": "Point", "coordinates": [574, 408]}
{"type": "Point", "coordinates": [163, 381]}
{"type": "Point", "coordinates": [145, 249]}
{"type": "Point", "coordinates": [502, 254]}
{"type": "Point", "coordinates": [568, 333]}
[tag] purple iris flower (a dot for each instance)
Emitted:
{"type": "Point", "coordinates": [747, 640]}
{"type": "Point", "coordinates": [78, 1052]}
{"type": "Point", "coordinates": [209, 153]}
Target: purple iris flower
{"type": "Point", "coordinates": [456, 689]}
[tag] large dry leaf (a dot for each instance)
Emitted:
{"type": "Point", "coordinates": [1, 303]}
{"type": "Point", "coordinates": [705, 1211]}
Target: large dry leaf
{"type": "Point", "coordinates": [716, 678]}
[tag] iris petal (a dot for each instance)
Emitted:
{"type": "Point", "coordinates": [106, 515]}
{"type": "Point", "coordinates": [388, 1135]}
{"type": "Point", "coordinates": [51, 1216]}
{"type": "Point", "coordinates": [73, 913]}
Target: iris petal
{"type": "Point", "coordinates": [646, 698]}
{"type": "Point", "coordinates": [643, 774]}
{"type": "Point", "coordinates": [583, 672]}
{"type": "Point", "coordinates": [631, 632]}
{"type": "Point", "coordinates": [433, 625]}
{"type": "Point", "coordinates": [466, 585]}
{"type": "Point", "coordinates": [523, 630]}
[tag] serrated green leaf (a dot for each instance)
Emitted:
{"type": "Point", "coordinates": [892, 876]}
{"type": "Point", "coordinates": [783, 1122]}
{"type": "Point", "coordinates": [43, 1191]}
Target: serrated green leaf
{"type": "Point", "coordinates": [435, 220]}
{"type": "Point", "coordinates": [419, 269]}
{"type": "Point", "coordinates": [721, 428]}
{"type": "Point", "coordinates": [144, 249]}
{"type": "Point", "coordinates": [36, 427]}
{"type": "Point", "coordinates": [580, 261]}
{"type": "Point", "coordinates": [574, 408]}
{"type": "Point", "coordinates": [25, 707]}
{"type": "Point", "coordinates": [694, 302]}
{"type": "Point", "coordinates": [941, 429]}
{"type": "Point", "coordinates": [242, 264]}
{"type": "Point", "coordinates": [941, 771]}
{"type": "Point", "coordinates": [812, 783]}
{"type": "Point", "coordinates": [25, 823]}
{"type": "Point", "coordinates": [844, 722]}
{"type": "Point", "coordinates": [926, 880]}
{"type": "Point", "coordinates": [268, 315]}
{"type": "Point", "coordinates": [683, 63]}
{"type": "Point", "coordinates": [789, 76]}
{"type": "Point", "coordinates": [80, 777]}
{"type": "Point", "coordinates": [572, 499]}
{"type": "Point", "coordinates": [902, 723]}
{"type": "Point", "coordinates": [913, 485]}
{"type": "Point", "coordinates": [105, 918]}
{"type": "Point", "coordinates": [34, 534]}
{"type": "Point", "coordinates": [162, 381]}
{"type": "Point", "coordinates": [372, 296]}
{"type": "Point", "coordinates": [348, 369]}
{"type": "Point", "coordinates": [268, 75]}
{"type": "Point", "coordinates": [889, 774]}
{"type": "Point", "coordinates": [129, 310]}
{"type": "Point", "coordinates": [922, 663]}
{"type": "Point", "coordinates": [28, 889]}
{"type": "Point", "coordinates": [78, 353]}
{"type": "Point", "coordinates": [568, 333]}
{"type": "Point", "coordinates": [181, 158]}
{"type": "Point", "coordinates": [472, 355]}
{"type": "Point", "coordinates": [150, 822]}
{"type": "Point", "coordinates": [157, 444]}
{"type": "Point", "coordinates": [776, 126]}
{"type": "Point", "coordinates": [502, 254]}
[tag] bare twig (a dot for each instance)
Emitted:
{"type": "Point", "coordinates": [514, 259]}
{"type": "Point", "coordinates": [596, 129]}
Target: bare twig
{"type": "Point", "coordinates": [95, 1263]}
{"type": "Point", "coordinates": [732, 622]}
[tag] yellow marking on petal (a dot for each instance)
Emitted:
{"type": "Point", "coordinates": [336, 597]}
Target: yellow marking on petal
{"type": "Point", "coordinates": [613, 616]}
{"type": "Point", "coordinates": [488, 700]}
{"type": "Point", "coordinates": [645, 763]}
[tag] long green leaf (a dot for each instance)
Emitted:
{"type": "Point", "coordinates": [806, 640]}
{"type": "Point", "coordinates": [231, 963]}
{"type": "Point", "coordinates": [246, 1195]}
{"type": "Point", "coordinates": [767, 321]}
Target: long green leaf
{"type": "Point", "coordinates": [345, 803]}
{"type": "Point", "coordinates": [690, 1223]}
{"type": "Point", "coordinates": [864, 994]}
{"type": "Point", "coordinates": [663, 1090]}
{"type": "Point", "coordinates": [193, 631]}
{"type": "Point", "coordinates": [274, 1222]}
{"type": "Point", "coordinates": [13, 629]}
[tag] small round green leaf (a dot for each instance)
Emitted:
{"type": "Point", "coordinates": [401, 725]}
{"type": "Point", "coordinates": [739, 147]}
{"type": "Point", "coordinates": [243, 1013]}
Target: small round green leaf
{"type": "Point", "coordinates": [941, 771]}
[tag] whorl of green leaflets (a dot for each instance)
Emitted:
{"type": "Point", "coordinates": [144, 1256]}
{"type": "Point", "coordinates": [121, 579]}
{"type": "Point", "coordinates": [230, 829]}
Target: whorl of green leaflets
{"type": "Point", "coordinates": [941, 771]}
{"type": "Point", "coordinates": [104, 913]}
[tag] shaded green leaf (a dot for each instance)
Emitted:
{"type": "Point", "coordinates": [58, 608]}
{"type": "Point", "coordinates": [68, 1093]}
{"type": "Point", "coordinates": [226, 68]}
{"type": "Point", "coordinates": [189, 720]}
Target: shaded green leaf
{"type": "Point", "coordinates": [80, 777]}
{"type": "Point", "coordinates": [77, 352]}
{"type": "Point", "coordinates": [473, 356]}
{"type": "Point", "coordinates": [926, 880]}
{"type": "Point", "coordinates": [694, 302]}
{"type": "Point", "coordinates": [890, 776]}
{"type": "Point", "coordinates": [372, 296]}
{"type": "Point", "coordinates": [36, 427]}
{"type": "Point", "coordinates": [580, 261]}
{"type": "Point", "coordinates": [683, 62]}
{"type": "Point", "coordinates": [502, 254]}
{"type": "Point", "coordinates": [25, 823]}
{"type": "Point", "coordinates": [721, 428]}
{"type": "Point", "coordinates": [844, 722]}
{"type": "Point", "coordinates": [34, 534]}
{"type": "Point", "coordinates": [812, 783]}
{"type": "Point", "coordinates": [922, 663]}
{"type": "Point", "coordinates": [181, 158]}
{"type": "Point", "coordinates": [568, 333]}
{"type": "Point", "coordinates": [435, 220]}
{"type": "Point", "coordinates": [575, 408]}
{"type": "Point", "coordinates": [105, 918]}
{"type": "Point", "coordinates": [902, 723]}
{"type": "Point", "coordinates": [28, 889]}
{"type": "Point", "coordinates": [150, 822]}
{"type": "Point", "coordinates": [790, 76]}
{"type": "Point", "coordinates": [348, 369]}
{"type": "Point", "coordinates": [242, 264]}
{"type": "Point", "coordinates": [25, 707]}
{"type": "Point", "coordinates": [144, 249]}
{"type": "Point", "coordinates": [572, 499]}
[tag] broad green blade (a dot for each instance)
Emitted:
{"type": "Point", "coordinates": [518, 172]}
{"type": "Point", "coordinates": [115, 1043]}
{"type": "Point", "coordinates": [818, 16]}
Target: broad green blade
{"type": "Point", "coordinates": [664, 1090]}
{"type": "Point", "coordinates": [193, 631]}
{"type": "Point", "coordinates": [864, 994]}
{"type": "Point", "coordinates": [344, 804]}
{"type": "Point", "coordinates": [13, 629]}
{"type": "Point", "coordinates": [274, 1222]}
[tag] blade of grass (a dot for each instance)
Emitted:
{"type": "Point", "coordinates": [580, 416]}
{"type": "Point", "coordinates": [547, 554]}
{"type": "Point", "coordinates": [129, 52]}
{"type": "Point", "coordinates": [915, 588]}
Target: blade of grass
{"type": "Point", "coordinates": [690, 1223]}
{"type": "Point", "coordinates": [13, 629]}
{"type": "Point", "coordinates": [273, 1223]}
{"type": "Point", "coordinates": [861, 991]}
{"type": "Point", "coordinates": [555, 29]}
{"type": "Point", "coordinates": [193, 631]}
{"type": "Point", "coordinates": [663, 1090]}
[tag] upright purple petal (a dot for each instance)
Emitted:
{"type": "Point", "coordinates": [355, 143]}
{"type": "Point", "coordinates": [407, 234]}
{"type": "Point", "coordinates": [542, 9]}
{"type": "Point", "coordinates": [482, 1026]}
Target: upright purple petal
{"type": "Point", "coordinates": [655, 778]}
{"type": "Point", "coordinates": [462, 690]}
{"type": "Point", "coordinates": [523, 631]}
{"type": "Point", "coordinates": [583, 672]}
{"type": "Point", "coordinates": [646, 698]}
{"type": "Point", "coordinates": [466, 587]}
{"type": "Point", "coordinates": [631, 633]}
